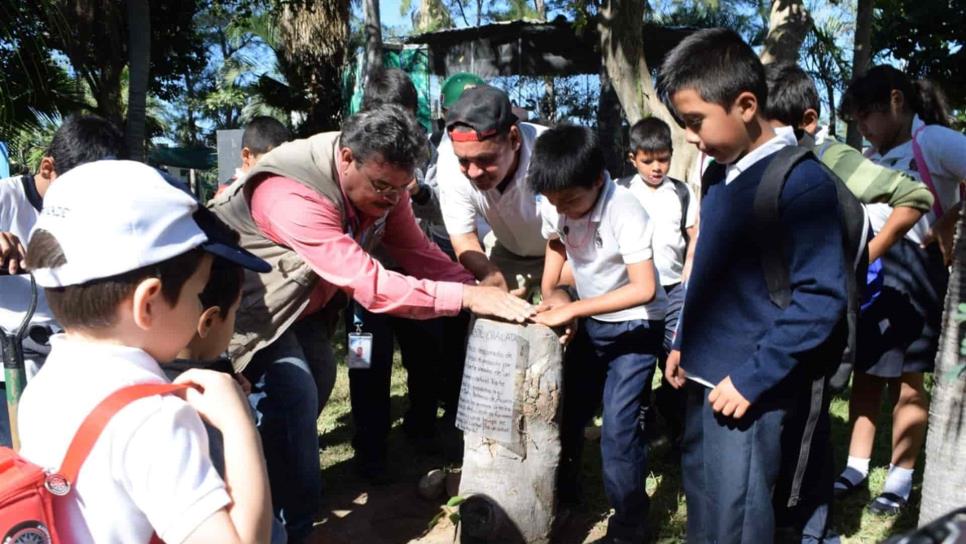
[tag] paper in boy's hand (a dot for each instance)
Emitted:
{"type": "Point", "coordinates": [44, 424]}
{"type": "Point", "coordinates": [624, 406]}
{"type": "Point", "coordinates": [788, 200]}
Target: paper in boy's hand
{"type": "Point", "coordinates": [726, 400]}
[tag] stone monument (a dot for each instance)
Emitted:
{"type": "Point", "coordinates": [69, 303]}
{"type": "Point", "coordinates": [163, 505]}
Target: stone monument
{"type": "Point", "coordinates": [510, 413]}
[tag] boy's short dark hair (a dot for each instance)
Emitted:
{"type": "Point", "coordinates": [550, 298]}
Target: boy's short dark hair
{"type": "Point", "coordinates": [791, 91]}
{"type": "Point", "coordinates": [93, 305]}
{"type": "Point", "coordinates": [564, 157]}
{"type": "Point", "coordinates": [224, 286]}
{"type": "Point", "coordinates": [225, 282]}
{"type": "Point", "coordinates": [82, 139]}
{"type": "Point", "coordinates": [390, 86]}
{"type": "Point", "coordinates": [264, 133]}
{"type": "Point", "coordinates": [650, 135]}
{"type": "Point", "coordinates": [717, 64]}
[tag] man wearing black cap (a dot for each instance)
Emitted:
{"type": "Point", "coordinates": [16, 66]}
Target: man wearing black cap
{"type": "Point", "coordinates": [482, 171]}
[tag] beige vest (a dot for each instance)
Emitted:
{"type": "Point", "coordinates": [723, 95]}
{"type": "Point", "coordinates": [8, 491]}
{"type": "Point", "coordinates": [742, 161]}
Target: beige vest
{"type": "Point", "coordinates": [271, 302]}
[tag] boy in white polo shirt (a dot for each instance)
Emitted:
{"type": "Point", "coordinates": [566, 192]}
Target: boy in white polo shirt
{"type": "Point", "coordinates": [606, 235]}
{"type": "Point", "coordinates": [124, 257]}
{"type": "Point", "coordinates": [673, 210]}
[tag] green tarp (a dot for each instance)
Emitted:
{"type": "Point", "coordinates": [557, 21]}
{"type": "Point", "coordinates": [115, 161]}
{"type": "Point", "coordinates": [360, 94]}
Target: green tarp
{"type": "Point", "coordinates": [199, 158]}
{"type": "Point", "coordinates": [414, 60]}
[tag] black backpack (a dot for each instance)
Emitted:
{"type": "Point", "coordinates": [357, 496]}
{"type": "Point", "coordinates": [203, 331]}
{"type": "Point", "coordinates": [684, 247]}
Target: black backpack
{"type": "Point", "coordinates": [683, 195]}
{"type": "Point", "coordinates": [856, 233]}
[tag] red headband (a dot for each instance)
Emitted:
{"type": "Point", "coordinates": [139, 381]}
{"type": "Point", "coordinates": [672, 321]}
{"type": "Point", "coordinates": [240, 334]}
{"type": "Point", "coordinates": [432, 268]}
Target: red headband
{"type": "Point", "coordinates": [470, 135]}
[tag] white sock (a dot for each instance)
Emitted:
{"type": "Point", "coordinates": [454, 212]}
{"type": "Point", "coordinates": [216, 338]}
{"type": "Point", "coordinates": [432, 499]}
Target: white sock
{"type": "Point", "coordinates": [860, 465]}
{"type": "Point", "coordinates": [856, 471]}
{"type": "Point", "coordinates": [899, 481]}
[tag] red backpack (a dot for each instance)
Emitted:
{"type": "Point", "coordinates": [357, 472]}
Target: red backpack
{"type": "Point", "coordinates": [28, 492]}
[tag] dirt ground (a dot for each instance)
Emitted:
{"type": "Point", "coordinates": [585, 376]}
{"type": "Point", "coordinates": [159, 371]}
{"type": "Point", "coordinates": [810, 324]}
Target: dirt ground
{"type": "Point", "coordinates": [395, 513]}
{"type": "Point", "coordinates": [356, 511]}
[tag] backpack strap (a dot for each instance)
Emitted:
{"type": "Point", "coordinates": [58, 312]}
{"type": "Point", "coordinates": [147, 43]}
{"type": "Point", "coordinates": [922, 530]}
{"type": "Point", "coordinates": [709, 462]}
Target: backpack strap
{"type": "Point", "coordinates": [713, 174]}
{"type": "Point", "coordinates": [685, 197]}
{"type": "Point", "coordinates": [924, 173]}
{"type": "Point", "coordinates": [768, 223]}
{"type": "Point", "coordinates": [94, 423]}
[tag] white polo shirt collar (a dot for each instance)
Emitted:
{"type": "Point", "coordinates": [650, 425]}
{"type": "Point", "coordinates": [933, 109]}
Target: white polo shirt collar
{"type": "Point", "coordinates": [781, 139]}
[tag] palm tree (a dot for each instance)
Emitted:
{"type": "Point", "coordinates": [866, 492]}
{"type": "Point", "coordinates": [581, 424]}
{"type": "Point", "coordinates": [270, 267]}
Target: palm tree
{"type": "Point", "coordinates": [311, 54]}
{"type": "Point", "coordinates": [944, 480]}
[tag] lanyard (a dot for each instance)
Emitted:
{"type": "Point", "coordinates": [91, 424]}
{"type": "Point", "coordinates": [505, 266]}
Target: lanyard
{"type": "Point", "coordinates": [357, 317]}
{"type": "Point", "coordinates": [924, 173]}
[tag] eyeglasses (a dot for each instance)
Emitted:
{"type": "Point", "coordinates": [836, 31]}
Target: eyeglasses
{"type": "Point", "coordinates": [381, 187]}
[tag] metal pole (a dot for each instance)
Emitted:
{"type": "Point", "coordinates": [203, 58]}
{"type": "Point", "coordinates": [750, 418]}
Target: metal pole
{"type": "Point", "coordinates": [13, 364]}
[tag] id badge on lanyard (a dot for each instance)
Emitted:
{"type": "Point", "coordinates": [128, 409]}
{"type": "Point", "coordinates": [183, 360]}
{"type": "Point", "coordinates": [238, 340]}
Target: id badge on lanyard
{"type": "Point", "coordinates": [358, 343]}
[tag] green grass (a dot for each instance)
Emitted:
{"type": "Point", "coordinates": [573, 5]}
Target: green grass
{"type": "Point", "coordinates": [668, 513]}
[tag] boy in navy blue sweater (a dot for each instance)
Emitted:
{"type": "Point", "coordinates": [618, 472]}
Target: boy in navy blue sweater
{"type": "Point", "coordinates": [744, 362]}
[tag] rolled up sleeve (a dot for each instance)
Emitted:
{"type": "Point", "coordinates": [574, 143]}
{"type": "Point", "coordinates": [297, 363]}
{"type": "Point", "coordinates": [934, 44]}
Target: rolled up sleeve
{"type": "Point", "coordinates": [293, 215]}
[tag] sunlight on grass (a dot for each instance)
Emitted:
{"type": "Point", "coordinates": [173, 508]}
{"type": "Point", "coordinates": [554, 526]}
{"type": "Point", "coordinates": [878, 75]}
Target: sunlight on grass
{"type": "Point", "coordinates": [668, 512]}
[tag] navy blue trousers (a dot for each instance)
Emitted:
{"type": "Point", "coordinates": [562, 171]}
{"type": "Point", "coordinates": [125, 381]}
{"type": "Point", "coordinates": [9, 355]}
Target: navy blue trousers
{"type": "Point", "coordinates": [613, 363]}
{"type": "Point", "coordinates": [729, 469]}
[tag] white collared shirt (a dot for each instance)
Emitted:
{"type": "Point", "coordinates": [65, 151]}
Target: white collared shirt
{"type": "Point", "coordinates": [784, 136]}
{"type": "Point", "coordinates": [149, 470]}
{"type": "Point", "coordinates": [663, 207]}
{"type": "Point", "coordinates": [513, 214]}
{"type": "Point", "coordinates": [615, 233]}
{"type": "Point", "coordinates": [17, 214]}
{"type": "Point", "coordinates": [944, 152]}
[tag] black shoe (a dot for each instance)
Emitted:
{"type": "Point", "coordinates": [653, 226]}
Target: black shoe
{"type": "Point", "coordinates": [887, 504]}
{"type": "Point", "coordinates": [844, 486]}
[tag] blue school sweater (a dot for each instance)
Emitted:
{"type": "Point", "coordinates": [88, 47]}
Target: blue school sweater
{"type": "Point", "coordinates": [729, 327]}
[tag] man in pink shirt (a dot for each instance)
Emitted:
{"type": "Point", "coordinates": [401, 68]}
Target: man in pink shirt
{"type": "Point", "coordinates": [313, 209]}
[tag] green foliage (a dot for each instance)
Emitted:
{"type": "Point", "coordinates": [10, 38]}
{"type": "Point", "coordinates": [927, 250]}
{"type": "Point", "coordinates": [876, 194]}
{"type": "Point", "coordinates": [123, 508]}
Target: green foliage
{"type": "Point", "coordinates": [33, 86]}
{"type": "Point", "coordinates": [929, 37]}
{"type": "Point", "coordinates": [513, 10]}
{"type": "Point", "coordinates": [435, 16]}
{"type": "Point", "coordinates": [450, 511]}
{"type": "Point", "coordinates": [744, 16]}
{"type": "Point", "coordinates": [28, 144]}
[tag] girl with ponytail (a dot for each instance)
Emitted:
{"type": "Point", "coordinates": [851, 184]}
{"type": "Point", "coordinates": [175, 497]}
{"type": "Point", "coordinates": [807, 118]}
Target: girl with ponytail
{"type": "Point", "coordinates": [907, 125]}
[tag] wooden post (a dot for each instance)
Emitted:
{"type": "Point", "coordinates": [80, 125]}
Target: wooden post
{"type": "Point", "coordinates": [510, 411]}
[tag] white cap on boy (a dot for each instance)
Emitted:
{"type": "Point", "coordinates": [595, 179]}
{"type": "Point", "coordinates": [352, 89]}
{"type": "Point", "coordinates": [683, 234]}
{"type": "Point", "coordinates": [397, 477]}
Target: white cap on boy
{"type": "Point", "coordinates": [111, 217]}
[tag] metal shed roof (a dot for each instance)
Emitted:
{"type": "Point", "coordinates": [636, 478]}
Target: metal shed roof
{"type": "Point", "coordinates": [532, 48]}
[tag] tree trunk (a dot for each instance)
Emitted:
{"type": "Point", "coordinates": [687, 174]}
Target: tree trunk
{"type": "Point", "coordinates": [139, 55]}
{"type": "Point", "coordinates": [787, 26]}
{"type": "Point", "coordinates": [549, 103]}
{"type": "Point", "coordinates": [622, 46]}
{"type": "Point", "coordinates": [861, 56]}
{"type": "Point", "coordinates": [312, 41]}
{"type": "Point", "coordinates": [609, 126]}
{"type": "Point", "coordinates": [433, 15]}
{"type": "Point", "coordinates": [107, 95]}
{"type": "Point", "coordinates": [373, 24]}
{"type": "Point", "coordinates": [944, 479]}
{"type": "Point", "coordinates": [830, 93]}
